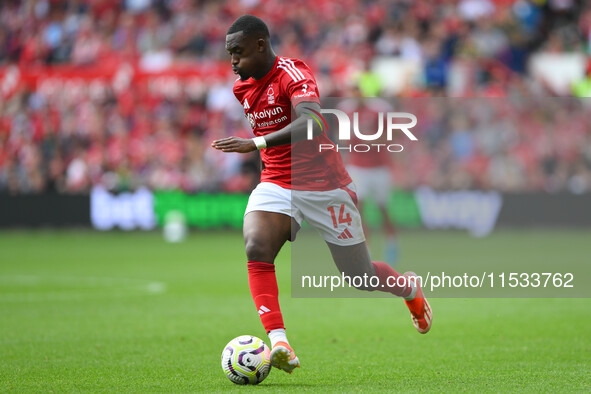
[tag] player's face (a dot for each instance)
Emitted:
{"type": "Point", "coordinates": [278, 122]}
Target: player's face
{"type": "Point", "coordinates": [245, 53]}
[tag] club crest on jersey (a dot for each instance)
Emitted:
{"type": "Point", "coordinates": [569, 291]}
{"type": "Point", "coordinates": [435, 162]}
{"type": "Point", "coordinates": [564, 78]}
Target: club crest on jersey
{"type": "Point", "coordinates": [271, 95]}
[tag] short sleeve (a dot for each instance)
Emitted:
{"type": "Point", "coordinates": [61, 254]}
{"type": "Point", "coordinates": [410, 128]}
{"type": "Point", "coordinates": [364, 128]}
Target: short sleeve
{"type": "Point", "coordinates": [301, 85]}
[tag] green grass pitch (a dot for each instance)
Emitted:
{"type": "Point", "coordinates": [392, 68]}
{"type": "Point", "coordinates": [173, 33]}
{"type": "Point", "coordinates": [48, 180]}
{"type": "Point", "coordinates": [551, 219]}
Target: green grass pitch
{"type": "Point", "coordinates": [127, 312]}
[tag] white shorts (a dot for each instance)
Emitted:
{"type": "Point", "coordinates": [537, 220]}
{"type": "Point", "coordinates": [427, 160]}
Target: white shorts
{"type": "Point", "coordinates": [332, 213]}
{"type": "Point", "coordinates": [372, 181]}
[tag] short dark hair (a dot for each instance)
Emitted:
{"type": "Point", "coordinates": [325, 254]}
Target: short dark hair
{"type": "Point", "coordinates": [249, 24]}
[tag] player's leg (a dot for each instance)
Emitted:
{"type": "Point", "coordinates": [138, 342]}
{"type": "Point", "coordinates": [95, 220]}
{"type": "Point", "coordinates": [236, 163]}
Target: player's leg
{"type": "Point", "coordinates": [267, 225]}
{"type": "Point", "coordinates": [265, 234]}
{"type": "Point", "coordinates": [346, 242]}
{"type": "Point", "coordinates": [334, 214]}
{"type": "Point", "coordinates": [354, 260]}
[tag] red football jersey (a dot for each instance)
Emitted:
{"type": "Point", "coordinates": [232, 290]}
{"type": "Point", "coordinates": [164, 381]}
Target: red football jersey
{"type": "Point", "coordinates": [268, 106]}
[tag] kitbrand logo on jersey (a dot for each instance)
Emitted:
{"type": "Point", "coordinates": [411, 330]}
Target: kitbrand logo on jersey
{"type": "Point", "coordinates": [390, 120]}
{"type": "Point", "coordinates": [305, 92]}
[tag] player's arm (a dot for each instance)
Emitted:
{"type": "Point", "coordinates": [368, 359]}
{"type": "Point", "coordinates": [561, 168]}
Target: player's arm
{"type": "Point", "coordinates": [298, 129]}
{"type": "Point", "coordinates": [293, 132]}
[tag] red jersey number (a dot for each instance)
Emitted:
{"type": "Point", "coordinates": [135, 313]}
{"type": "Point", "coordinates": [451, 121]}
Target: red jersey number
{"type": "Point", "coordinates": [343, 218]}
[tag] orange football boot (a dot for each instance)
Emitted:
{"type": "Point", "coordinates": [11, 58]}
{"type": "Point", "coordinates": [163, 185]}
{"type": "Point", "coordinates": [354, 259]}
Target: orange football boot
{"type": "Point", "coordinates": [284, 358]}
{"type": "Point", "coordinates": [420, 311]}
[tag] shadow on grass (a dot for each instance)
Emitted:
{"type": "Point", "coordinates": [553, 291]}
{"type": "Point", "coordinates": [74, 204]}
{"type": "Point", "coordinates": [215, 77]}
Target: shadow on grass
{"type": "Point", "coordinates": [291, 385]}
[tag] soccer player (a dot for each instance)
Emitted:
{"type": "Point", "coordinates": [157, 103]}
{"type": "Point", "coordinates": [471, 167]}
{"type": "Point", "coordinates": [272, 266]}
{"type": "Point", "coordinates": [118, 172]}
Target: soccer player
{"type": "Point", "coordinates": [268, 87]}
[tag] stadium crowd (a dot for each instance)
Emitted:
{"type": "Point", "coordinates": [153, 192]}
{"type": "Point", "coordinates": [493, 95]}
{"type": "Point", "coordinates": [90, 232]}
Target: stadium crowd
{"type": "Point", "coordinates": [67, 141]}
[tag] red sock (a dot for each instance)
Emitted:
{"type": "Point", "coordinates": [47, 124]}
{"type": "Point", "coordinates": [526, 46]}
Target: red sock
{"type": "Point", "coordinates": [389, 280]}
{"type": "Point", "coordinates": [263, 287]}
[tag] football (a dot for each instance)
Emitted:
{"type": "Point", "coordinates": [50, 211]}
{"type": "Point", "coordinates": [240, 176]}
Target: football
{"type": "Point", "coordinates": [246, 360]}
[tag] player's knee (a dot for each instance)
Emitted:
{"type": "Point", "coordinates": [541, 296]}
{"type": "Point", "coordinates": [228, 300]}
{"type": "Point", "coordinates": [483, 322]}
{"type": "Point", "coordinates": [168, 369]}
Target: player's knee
{"type": "Point", "coordinates": [258, 251]}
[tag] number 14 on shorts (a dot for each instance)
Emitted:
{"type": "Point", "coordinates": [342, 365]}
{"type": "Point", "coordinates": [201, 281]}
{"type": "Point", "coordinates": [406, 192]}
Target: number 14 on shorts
{"type": "Point", "coordinates": [343, 217]}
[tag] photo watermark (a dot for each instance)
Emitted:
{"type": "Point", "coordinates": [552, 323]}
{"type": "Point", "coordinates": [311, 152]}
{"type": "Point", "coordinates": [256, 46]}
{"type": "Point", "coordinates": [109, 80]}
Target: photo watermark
{"type": "Point", "coordinates": [467, 193]}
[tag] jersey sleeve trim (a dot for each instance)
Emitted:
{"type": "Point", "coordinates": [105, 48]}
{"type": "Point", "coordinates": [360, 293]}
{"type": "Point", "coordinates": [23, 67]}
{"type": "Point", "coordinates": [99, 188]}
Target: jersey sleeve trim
{"type": "Point", "coordinates": [291, 69]}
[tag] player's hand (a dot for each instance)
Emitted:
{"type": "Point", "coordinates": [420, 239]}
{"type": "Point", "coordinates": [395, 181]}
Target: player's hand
{"type": "Point", "coordinates": [234, 144]}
